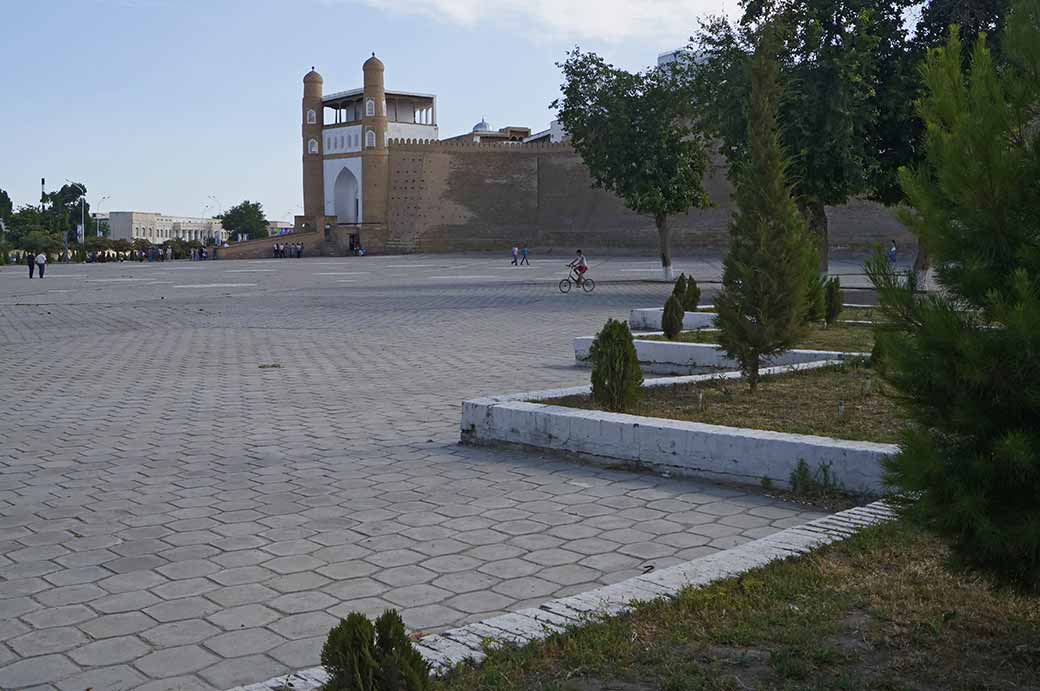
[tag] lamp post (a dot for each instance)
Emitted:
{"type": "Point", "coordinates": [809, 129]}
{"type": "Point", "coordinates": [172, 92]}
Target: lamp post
{"type": "Point", "coordinates": [97, 221]}
{"type": "Point", "coordinates": [82, 215]}
{"type": "Point", "coordinates": [220, 206]}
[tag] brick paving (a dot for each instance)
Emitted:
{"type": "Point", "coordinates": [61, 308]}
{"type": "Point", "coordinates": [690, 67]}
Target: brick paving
{"type": "Point", "coordinates": [203, 466]}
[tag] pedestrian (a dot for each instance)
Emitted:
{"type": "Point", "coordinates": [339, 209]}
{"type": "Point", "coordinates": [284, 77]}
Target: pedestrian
{"type": "Point", "coordinates": [41, 263]}
{"type": "Point", "coordinates": [30, 261]}
{"type": "Point", "coordinates": [523, 256]}
{"type": "Point", "coordinates": [299, 250]}
{"type": "Point", "coordinates": [516, 254]}
{"type": "Point", "coordinates": [892, 253]}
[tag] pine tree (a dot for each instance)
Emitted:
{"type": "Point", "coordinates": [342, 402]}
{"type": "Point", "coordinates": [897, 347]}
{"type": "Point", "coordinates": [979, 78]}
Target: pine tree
{"type": "Point", "coordinates": [762, 305]}
{"type": "Point", "coordinates": [967, 361]}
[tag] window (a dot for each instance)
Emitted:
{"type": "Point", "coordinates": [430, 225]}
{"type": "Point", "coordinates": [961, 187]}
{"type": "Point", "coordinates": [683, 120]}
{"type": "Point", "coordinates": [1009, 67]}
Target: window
{"type": "Point", "coordinates": [370, 139]}
{"type": "Point", "coordinates": [312, 146]}
{"type": "Point", "coordinates": [312, 117]}
{"type": "Point", "coordinates": [370, 108]}
{"type": "Point", "coordinates": [328, 142]}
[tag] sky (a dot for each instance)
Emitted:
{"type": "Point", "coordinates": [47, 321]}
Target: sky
{"type": "Point", "coordinates": [187, 107]}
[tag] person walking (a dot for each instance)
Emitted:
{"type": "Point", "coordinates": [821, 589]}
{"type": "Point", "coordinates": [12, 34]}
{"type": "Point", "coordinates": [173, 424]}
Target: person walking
{"type": "Point", "coordinates": [892, 251]}
{"type": "Point", "coordinates": [523, 257]}
{"type": "Point", "coordinates": [516, 253]}
{"type": "Point", "coordinates": [41, 263]}
{"type": "Point", "coordinates": [30, 261]}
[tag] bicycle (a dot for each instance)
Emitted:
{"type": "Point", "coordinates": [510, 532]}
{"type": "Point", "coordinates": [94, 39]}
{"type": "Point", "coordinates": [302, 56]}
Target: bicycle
{"type": "Point", "coordinates": [586, 283]}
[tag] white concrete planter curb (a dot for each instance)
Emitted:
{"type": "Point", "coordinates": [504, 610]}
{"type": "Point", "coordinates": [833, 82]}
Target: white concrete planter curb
{"type": "Point", "coordinates": [650, 319]}
{"type": "Point", "coordinates": [468, 643]}
{"type": "Point", "coordinates": [674, 357]}
{"type": "Point", "coordinates": [731, 454]}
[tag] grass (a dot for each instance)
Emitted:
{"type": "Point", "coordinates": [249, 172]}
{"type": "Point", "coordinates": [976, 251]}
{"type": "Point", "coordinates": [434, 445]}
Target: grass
{"type": "Point", "coordinates": [847, 338]}
{"type": "Point", "coordinates": [807, 402]}
{"type": "Point", "coordinates": [878, 611]}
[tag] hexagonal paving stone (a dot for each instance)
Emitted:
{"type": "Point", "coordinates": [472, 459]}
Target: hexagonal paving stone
{"type": "Point", "coordinates": [415, 595]}
{"type": "Point", "coordinates": [404, 575]}
{"type": "Point", "coordinates": [185, 608]}
{"type": "Point", "coordinates": [241, 670]}
{"type": "Point", "coordinates": [125, 602]}
{"type": "Point", "coordinates": [174, 661]}
{"type": "Point", "coordinates": [37, 670]}
{"type": "Point", "coordinates": [117, 677]}
{"type": "Point", "coordinates": [510, 568]}
{"type": "Point", "coordinates": [189, 587]}
{"type": "Point", "coordinates": [241, 594]}
{"type": "Point", "coordinates": [480, 601]}
{"type": "Point", "coordinates": [243, 642]}
{"type": "Point", "coordinates": [295, 603]}
{"type": "Point", "coordinates": [193, 568]}
{"type": "Point", "coordinates": [121, 624]}
{"type": "Point", "coordinates": [244, 616]}
{"type": "Point", "coordinates": [348, 569]}
{"type": "Point", "coordinates": [429, 617]}
{"type": "Point", "coordinates": [46, 641]}
{"type": "Point", "coordinates": [304, 625]}
{"type": "Point", "coordinates": [355, 588]}
{"type": "Point", "coordinates": [180, 633]}
{"type": "Point", "coordinates": [553, 557]}
{"type": "Point", "coordinates": [396, 557]}
{"type": "Point", "coordinates": [60, 616]}
{"type": "Point", "coordinates": [451, 563]}
{"type": "Point", "coordinates": [299, 654]}
{"type": "Point", "coordinates": [110, 651]}
{"type": "Point", "coordinates": [647, 550]}
{"type": "Point", "coordinates": [293, 564]}
{"type": "Point", "coordinates": [527, 587]}
{"type": "Point", "coordinates": [569, 574]}
{"type": "Point", "coordinates": [465, 582]}
{"type": "Point", "coordinates": [132, 580]}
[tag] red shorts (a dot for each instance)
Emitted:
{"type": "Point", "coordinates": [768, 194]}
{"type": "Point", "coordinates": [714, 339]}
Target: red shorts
{"type": "Point", "coordinates": [582, 269]}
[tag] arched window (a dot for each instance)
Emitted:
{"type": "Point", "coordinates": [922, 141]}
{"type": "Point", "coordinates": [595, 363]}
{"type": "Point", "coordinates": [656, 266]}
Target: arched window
{"type": "Point", "coordinates": [312, 117]}
{"type": "Point", "coordinates": [370, 108]}
{"type": "Point", "coordinates": [312, 146]}
{"type": "Point", "coordinates": [370, 139]}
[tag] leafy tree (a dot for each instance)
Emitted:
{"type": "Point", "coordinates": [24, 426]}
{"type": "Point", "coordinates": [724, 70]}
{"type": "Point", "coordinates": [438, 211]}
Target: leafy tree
{"type": "Point", "coordinates": [248, 218]}
{"type": "Point", "coordinates": [847, 112]}
{"type": "Point", "coordinates": [967, 360]}
{"type": "Point", "coordinates": [972, 17]}
{"type": "Point", "coordinates": [634, 133]}
{"type": "Point", "coordinates": [766, 273]}
{"type": "Point", "coordinates": [616, 374]}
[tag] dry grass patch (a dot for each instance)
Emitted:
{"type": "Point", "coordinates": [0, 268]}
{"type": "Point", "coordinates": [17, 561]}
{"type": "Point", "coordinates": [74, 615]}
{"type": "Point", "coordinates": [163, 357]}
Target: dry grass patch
{"type": "Point", "coordinates": [845, 402]}
{"type": "Point", "coordinates": [878, 611]}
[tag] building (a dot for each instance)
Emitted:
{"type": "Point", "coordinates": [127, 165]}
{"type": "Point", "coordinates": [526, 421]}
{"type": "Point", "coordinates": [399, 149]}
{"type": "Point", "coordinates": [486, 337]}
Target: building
{"type": "Point", "coordinates": [375, 172]}
{"type": "Point", "coordinates": [157, 228]}
{"type": "Point", "coordinates": [278, 228]}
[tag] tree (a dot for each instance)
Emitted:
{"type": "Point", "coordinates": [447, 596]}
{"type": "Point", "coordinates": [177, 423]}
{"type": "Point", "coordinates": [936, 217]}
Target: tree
{"type": "Point", "coordinates": [617, 377]}
{"type": "Point", "coordinates": [972, 17]}
{"type": "Point", "coordinates": [246, 218]}
{"type": "Point", "coordinates": [847, 114]}
{"type": "Point", "coordinates": [6, 208]}
{"type": "Point", "coordinates": [766, 275]}
{"type": "Point", "coordinates": [966, 361]}
{"type": "Point", "coordinates": [634, 133]}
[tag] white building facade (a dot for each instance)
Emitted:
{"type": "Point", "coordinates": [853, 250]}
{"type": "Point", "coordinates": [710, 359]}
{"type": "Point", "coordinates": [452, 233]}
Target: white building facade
{"type": "Point", "coordinates": [157, 228]}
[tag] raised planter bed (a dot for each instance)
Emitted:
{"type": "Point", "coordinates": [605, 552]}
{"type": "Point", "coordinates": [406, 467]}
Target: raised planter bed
{"type": "Point", "coordinates": [650, 319]}
{"type": "Point", "coordinates": [733, 454]}
{"type": "Point", "coordinates": [674, 357]}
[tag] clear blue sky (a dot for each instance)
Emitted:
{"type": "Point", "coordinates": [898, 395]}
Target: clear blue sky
{"type": "Point", "coordinates": [161, 103]}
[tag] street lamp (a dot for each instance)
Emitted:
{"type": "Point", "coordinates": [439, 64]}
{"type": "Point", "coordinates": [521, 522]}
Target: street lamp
{"type": "Point", "coordinates": [97, 221]}
{"type": "Point", "coordinates": [82, 215]}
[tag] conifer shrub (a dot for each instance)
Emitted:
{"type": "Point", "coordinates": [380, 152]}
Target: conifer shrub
{"type": "Point", "coordinates": [361, 657]}
{"type": "Point", "coordinates": [834, 301]}
{"type": "Point", "coordinates": [679, 289]}
{"type": "Point", "coordinates": [966, 361]}
{"type": "Point", "coordinates": [692, 295]}
{"type": "Point", "coordinates": [672, 319]}
{"type": "Point", "coordinates": [616, 376]}
{"type": "Point", "coordinates": [763, 301]}
{"type": "Point", "coordinates": [816, 298]}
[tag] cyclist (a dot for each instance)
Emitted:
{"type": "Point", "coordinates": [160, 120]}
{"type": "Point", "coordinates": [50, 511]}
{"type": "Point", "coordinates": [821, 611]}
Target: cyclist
{"type": "Point", "coordinates": [580, 266]}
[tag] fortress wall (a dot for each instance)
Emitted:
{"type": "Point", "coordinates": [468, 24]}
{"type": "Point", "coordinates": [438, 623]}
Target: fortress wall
{"type": "Point", "coordinates": [463, 196]}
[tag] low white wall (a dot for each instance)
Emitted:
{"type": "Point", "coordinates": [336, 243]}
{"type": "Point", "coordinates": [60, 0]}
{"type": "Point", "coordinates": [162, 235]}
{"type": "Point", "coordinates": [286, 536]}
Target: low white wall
{"type": "Point", "coordinates": [680, 358]}
{"type": "Point", "coordinates": [650, 319]}
{"type": "Point", "coordinates": [686, 448]}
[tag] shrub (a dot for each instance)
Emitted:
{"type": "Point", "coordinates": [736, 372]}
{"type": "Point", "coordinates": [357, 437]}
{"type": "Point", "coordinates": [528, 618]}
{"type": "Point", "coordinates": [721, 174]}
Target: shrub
{"type": "Point", "coordinates": [816, 299]}
{"type": "Point", "coordinates": [361, 657]}
{"type": "Point", "coordinates": [692, 295]}
{"type": "Point", "coordinates": [616, 375]}
{"type": "Point", "coordinates": [966, 361]}
{"type": "Point", "coordinates": [672, 319]}
{"type": "Point", "coordinates": [834, 301]}
{"type": "Point", "coordinates": [679, 289]}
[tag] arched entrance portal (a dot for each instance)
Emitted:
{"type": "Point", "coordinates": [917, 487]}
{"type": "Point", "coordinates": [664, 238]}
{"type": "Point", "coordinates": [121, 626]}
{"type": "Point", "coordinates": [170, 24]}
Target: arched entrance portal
{"type": "Point", "coordinates": [346, 196]}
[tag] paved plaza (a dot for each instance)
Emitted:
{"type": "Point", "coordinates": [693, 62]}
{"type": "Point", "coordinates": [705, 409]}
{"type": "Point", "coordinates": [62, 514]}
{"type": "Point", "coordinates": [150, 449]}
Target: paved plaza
{"type": "Point", "coordinates": [204, 465]}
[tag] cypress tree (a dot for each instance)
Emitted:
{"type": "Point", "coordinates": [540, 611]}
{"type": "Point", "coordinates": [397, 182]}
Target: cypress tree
{"type": "Point", "coordinates": [763, 302]}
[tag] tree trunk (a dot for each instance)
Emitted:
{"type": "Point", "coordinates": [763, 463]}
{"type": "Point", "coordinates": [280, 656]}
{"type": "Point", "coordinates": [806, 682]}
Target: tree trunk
{"type": "Point", "coordinates": [815, 214]}
{"type": "Point", "coordinates": [922, 263]}
{"type": "Point", "coordinates": [664, 235]}
{"type": "Point", "coordinates": [752, 373]}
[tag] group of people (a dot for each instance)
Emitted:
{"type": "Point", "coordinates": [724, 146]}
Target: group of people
{"type": "Point", "coordinates": [520, 256]}
{"type": "Point", "coordinates": [199, 254]}
{"type": "Point", "coordinates": [37, 262]}
{"type": "Point", "coordinates": [288, 250]}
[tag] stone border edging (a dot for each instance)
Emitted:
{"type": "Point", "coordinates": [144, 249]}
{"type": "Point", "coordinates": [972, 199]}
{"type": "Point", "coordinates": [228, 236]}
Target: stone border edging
{"type": "Point", "coordinates": [673, 357]}
{"type": "Point", "coordinates": [649, 319]}
{"type": "Point", "coordinates": [716, 452]}
{"type": "Point", "coordinates": [446, 650]}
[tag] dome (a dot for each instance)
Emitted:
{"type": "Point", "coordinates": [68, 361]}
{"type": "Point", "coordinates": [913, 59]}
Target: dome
{"type": "Point", "coordinates": [373, 63]}
{"type": "Point", "coordinates": [312, 77]}
{"type": "Point", "coordinates": [482, 126]}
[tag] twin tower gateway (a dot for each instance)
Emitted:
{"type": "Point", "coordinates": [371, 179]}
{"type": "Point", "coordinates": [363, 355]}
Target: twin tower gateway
{"type": "Point", "coordinates": [346, 138]}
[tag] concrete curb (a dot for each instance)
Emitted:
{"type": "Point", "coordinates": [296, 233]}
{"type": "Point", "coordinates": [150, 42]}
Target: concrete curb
{"type": "Point", "coordinates": [468, 643]}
